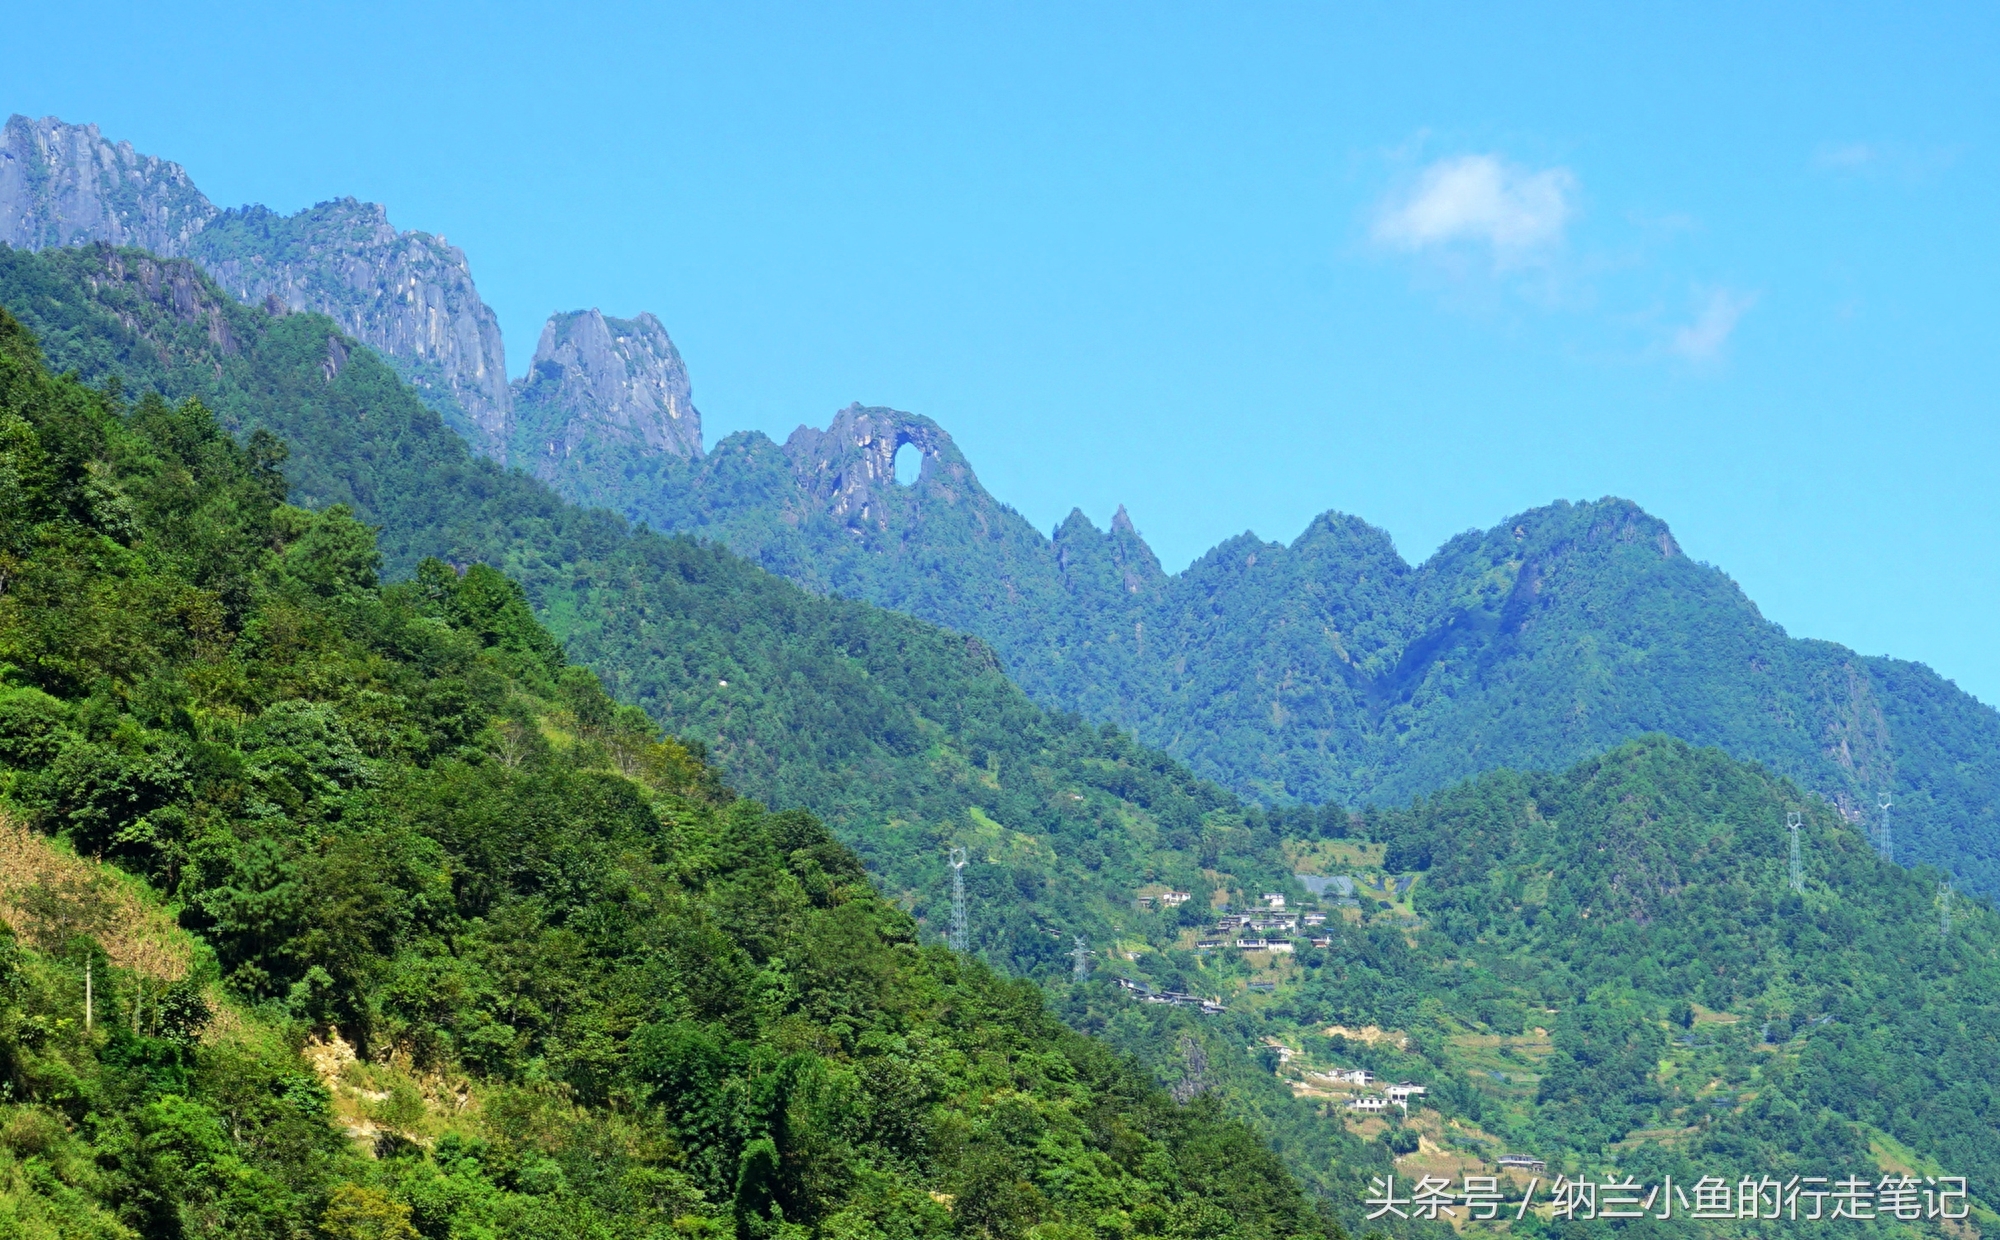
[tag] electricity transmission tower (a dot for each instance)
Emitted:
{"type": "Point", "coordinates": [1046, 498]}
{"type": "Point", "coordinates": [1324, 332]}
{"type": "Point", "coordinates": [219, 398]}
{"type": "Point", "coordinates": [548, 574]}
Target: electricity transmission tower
{"type": "Point", "coordinates": [1883, 838]}
{"type": "Point", "coordinates": [1944, 907]}
{"type": "Point", "coordinates": [1081, 955]}
{"type": "Point", "coordinates": [956, 939]}
{"type": "Point", "coordinates": [1795, 820]}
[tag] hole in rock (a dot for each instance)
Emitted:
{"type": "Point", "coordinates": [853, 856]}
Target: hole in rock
{"type": "Point", "coordinates": [909, 462]}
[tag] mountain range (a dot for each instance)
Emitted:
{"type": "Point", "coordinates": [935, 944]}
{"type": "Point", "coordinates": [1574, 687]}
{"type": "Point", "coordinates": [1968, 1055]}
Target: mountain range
{"type": "Point", "coordinates": [1330, 670]}
{"type": "Point", "coordinates": [1325, 671]}
{"type": "Point", "coordinates": [907, 739]}
{"type": "Point", "coordinates": [408, 294]}
{"type": "Point", "coordinates": [1696, 1002]}
{"type": "Point", "coordinates": [416, 791]}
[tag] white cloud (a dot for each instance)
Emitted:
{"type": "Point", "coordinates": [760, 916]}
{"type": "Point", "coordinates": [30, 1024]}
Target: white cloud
{"type": "Point", "coordinates": [1898, 161]}
{"type": "Point", "coordinates": [1481, 199]}
{"type": "Point", "coordinates": [1845, 156]}
{"type": "Point", "coordinates": [1703, 339]}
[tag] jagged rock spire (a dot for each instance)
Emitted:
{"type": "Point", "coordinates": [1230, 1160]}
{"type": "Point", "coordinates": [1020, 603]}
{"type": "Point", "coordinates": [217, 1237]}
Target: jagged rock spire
{"type": "Point", "coordinates": [1119, 558]}
{"type": "Point", "coordinates": [618, 380]}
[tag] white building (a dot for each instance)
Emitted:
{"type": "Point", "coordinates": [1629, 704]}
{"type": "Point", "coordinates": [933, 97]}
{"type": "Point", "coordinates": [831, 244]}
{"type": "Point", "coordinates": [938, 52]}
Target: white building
{"type": "Point", "coordinates": [1370, 1103]}
{"type": "Point", "coordinates": [1273, 899]}
{"type": "Point", "coordinates": [1405, 1092]}
{"type": "Point", "coordinates": [1174, 899]}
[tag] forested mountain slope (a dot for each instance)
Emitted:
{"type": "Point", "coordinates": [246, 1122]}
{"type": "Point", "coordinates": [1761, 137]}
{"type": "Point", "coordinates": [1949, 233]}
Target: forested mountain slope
{"type": "Point", "coordinates": [594, 994]}
{"type": "Point", "coordinates": [1610, 967]}
{"type": "Point", "coordinates": [1466, 991]}
{"type": "Point", "coordinates": [908, 739]}
{"type": "Point", "coordinates": [1333, 671]}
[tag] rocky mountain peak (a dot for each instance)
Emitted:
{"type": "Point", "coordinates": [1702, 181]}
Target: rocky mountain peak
{"type": "Point", "coordinates": [408, 295]}
{"type": "Point", "coordinates": [1139, 569]}
{"type": "Point", "coordinates": [618, 379]}
{"type": "Point", "coordinates": [173, 284]}
{"type": "Point", "coordinates": [1119, 557]}
{"type": "Point", "coordinates": [850, 467]}
{"type": "Point", "coordinates": [63, 184]}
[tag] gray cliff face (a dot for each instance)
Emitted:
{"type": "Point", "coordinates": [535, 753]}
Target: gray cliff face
{"type": "Point", "coordinates": [849, 469]}
{"type": "Point", "coordinates": [600, 385]}
{"type": "Point", "coordinates": [62, 184]}
{"type": "Point", "coordinates": [408, 295]}
{"type": "Point", "coordinates": [175, 285]}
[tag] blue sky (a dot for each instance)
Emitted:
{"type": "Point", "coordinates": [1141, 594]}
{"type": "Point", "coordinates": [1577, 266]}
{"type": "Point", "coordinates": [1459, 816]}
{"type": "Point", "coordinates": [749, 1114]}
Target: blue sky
{"type": "Point", "coordinates": [1228, 265]}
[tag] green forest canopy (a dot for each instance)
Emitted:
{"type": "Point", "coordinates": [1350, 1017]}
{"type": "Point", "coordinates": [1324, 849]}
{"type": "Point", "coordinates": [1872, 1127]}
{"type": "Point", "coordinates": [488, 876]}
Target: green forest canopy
{"type": "Point", "coordinates": [1330, 670]}
{"type": "Point", "coordinates": [903, 737]}
{"type": "Point", "coordinates": [1700, 1014]}
{"type": "Point", "coordinates": [907, 738]}
{"type": "Point", "coordinates": [399, 811]}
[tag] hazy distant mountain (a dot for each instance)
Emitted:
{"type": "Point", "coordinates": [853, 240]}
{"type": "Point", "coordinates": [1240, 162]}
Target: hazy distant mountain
{"type": "Point", "coordinates": [409, 295]}
{"type": "Point", "coordinates": [1327, 670]}
{"type": "Point", "coordinates": [1332, 670]}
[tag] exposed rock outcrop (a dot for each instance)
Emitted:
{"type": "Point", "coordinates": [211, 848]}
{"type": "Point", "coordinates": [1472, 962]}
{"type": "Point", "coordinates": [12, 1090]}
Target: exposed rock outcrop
{"type": "Point", "coordinates": [63, 184]}
{"type": "Point", "coordinates": [850, 467]}
{"type": "Point", "coordinates": [605, 383]}
{"type": "Point", "coordinates": [408, 295]}
{"type": "Point", "coordinates": [175, 285]}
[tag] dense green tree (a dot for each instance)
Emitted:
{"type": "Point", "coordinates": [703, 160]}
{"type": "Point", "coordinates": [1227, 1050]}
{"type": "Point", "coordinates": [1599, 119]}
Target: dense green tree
{"type": "Point", "coordinates": [1625, 897]}
{"type": "Point", "coordinates": [905, 738]}
{"type": "Point", "coordinates": [401, 814]}
{"type": "Point", "coordinates": [367, 799]}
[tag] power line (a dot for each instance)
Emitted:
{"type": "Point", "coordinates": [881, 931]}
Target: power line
{"type": "Point", "coordinates": [1944, 907]}
{"type": "Point", "coordinates": [1883, 839]}
{"type": "Point", "coordinates": [1081, 955]}
{"type": "Point", "coordinates": [1795, 820]}
{"type": "Point", "coordinates": [957, 938]}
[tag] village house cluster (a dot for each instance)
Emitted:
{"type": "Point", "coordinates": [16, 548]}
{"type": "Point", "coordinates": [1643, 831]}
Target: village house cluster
{"type": "Point", "coordinates": [1374, 1104]}
{"type": "Point", "coordinates": [1270, 932]}
{"type": "Point", "coordinates": [1397, 1095]}
{"type": "Point", "coordinates": [1146, 994]}
{"type": "Point", "coordinates": [1272, 927]}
